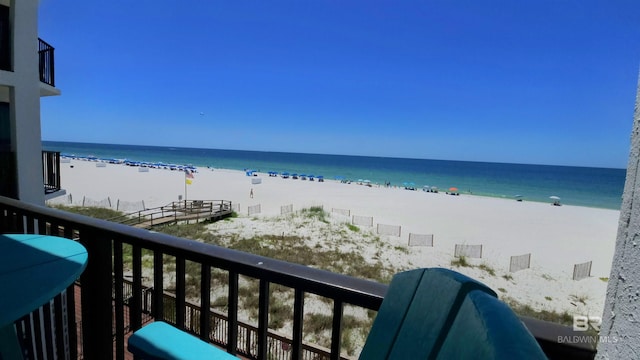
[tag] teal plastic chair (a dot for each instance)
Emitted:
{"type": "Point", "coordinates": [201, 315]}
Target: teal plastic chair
{"type": "Point", "coordinates": [420, 309]}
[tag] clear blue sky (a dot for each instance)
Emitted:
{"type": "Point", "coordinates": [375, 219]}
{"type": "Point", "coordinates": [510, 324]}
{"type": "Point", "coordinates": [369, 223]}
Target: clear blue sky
{"type": "Point", "coordinates": [538, 81]}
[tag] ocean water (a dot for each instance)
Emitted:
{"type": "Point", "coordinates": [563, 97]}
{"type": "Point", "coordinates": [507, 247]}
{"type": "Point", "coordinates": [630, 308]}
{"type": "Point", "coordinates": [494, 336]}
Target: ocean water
{"type": "Point", "coordinates": [581, 186]}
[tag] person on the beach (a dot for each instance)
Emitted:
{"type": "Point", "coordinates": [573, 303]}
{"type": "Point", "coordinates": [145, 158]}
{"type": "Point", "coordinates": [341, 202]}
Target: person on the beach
{"type": "Point", "coordinates": [251, 193]}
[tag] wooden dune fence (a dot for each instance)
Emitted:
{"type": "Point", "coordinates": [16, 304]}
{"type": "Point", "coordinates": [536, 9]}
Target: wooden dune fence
{"type": "Point", "coordinates": [286, 209]}
{"type": "Point", "coordinates": [520, 262]}
{"type": "Point", "coordinates": [581, 271]}
{"type": "Point", "coordinates": [362, 220]}
{"type": "Point", "coordinates": [254, 209]}
{"type": "Point", "coordinates": [470, 251]}
{"type": "Point", "coordinates": [391, 230]}
{"type": "Point", "coordinates": [420, 239]}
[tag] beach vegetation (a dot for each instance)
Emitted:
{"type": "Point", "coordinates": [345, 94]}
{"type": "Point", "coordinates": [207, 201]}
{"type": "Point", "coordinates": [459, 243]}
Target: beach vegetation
{"type": "Point", "coordinates": [507, 277]}
{"type": "Point", "coordinates": [321, 323]}
{"type": "Point", "coordinates": [488, 269]}
{"type": "Point", "coordinates": [604, 279]}
{"type": "Point", "coordinates": [316, 212]}
{"type": "Point", "coordinates": [460, 262]}
{"type": "Point", "coordinates": [220, 302]}
{"type": "Point", "coordinates": [548, 298]}
{"type": "Point", "coordinates": [94, 212]}
{"type": "Point", "coordinates": [563, 318]}
{"type": "Point", "coordinates": [352, 227]}
{"type": "Point", "coordinates": [579, 298]}
{"type": "Point", "coordinates": [547, 277]}
{"type": "Point", "coordinates": [502, 290]}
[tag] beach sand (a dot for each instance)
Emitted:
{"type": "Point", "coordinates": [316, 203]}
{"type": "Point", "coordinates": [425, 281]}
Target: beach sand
{"type": "Point", "coordinates": [557, 237]}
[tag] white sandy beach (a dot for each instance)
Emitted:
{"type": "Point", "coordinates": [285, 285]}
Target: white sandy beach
{"type": "Point", "coordinates": [556, 236]}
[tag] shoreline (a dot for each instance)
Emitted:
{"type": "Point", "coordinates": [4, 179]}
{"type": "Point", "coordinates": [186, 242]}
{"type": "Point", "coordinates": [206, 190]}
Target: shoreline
{"type": "Point", "coordinates": [578, 186]}
{"type": "Point", "coordinates": [557, 237]}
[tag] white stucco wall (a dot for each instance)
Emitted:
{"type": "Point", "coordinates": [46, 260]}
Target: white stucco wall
{"type": "Point", "coordinates": [24, 96]}
{"type": "Point", "coordinates": [620, 330]}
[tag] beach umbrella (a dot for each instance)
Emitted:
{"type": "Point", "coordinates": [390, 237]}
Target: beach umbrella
{"type": "Point", "coordinates": [453, 189]}
{"type": "Point", "coordinates": [554, 197]}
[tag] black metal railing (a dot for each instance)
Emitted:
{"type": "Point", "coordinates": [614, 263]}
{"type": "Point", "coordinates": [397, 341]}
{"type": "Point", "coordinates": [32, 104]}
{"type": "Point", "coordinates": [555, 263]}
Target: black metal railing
{"type": "Point", "coordinates": [45, 61]}
{"type": "Point", "coordinates": [51, 171]}
{"type": "Point", "coordinates": [110, 309]}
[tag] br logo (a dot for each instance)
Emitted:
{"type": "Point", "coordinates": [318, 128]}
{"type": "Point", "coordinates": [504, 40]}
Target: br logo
{"type": "Point", "coordinates": [582, 322]}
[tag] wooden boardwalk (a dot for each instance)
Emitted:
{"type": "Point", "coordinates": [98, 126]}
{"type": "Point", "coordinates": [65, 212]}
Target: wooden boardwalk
{"type": "Point", "coordinates": [178, 211]}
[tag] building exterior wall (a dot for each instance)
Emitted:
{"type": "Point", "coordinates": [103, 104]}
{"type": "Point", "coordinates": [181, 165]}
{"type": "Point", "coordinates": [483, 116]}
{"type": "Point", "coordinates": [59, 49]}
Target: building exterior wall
{"type": "Point", "coordinates": [620, 330]}
{"type": "Point", "coordinates": [23, 95]}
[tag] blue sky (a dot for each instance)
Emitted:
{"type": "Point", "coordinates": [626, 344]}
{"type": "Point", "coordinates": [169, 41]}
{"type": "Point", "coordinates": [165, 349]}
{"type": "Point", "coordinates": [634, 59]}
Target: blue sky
{"type": "Point", "coordinates": [542, 82]}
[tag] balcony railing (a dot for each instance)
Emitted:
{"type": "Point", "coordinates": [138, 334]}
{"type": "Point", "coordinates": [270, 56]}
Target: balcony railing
{"type": "Point", "coordinates": [51, 171]}
{"type": "Point", "coordinates": [46, 66]}
{"type": "Point", "coordinates": [112, 306]}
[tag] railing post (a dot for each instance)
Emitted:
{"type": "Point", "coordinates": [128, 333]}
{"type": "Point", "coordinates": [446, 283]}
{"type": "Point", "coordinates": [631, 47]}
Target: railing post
{"type": "Point", "coordinates": [263, 318]}
{"type": "Point", "coordinates": [96, 282]}
{"type": "Point", "coordinates": [232, 314]}
{"type": "Point", "coordinates": [336, 330]}
{"type": "Point", "coordinates": [298, 317]}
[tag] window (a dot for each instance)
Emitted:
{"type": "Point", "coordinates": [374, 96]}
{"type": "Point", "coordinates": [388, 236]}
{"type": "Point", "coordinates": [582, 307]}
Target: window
{"type": "Point", "coordinates": [5, 39]}
{"type": "Point", "coordinates": [7, 157]}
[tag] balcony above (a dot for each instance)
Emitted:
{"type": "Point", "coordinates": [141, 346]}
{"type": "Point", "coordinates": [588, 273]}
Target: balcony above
{"type": "Point", "coordinates": [46, 69]}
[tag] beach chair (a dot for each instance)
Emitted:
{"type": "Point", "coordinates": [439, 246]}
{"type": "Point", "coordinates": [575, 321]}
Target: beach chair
{"type": "Point", "coordinates": [429, 314]}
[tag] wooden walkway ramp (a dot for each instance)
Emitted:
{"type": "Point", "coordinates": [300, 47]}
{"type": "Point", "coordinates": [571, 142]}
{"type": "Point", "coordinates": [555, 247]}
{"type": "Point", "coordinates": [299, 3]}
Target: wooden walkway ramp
{"type": "Point", "coordinates": [178, 211]}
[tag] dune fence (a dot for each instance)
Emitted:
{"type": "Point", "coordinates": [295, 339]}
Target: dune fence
{"type": "Point", "coordinates": [130, 206]}
{"type": "Point", "coordinates": [520, 262]}
{"type": "Point", "coordinates": [470, 251]}
{"type": "Point", "coordinates": [286, 209]}
{"type": "Point", "coordinates": [581, 271]}
{"type": "Point", "coordinates": [362, 220]}
{"type": "Point", "coordinates": [254, 209]}
{"type": "Point", "coordinates": [420, 239]}
{"type": "Point", "coordinates": [344, 212]}
{"type": "Point", "coordinates": [391, 230]}
{"type": "Point", "coordinates": [89, 202]}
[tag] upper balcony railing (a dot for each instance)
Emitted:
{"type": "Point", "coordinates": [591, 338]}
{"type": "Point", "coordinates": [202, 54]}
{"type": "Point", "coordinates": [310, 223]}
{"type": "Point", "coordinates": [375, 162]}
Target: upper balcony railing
{"type": "Point", "coordinates": [46, 66]}
{"type": "Point", "coordinates": [114, 301]}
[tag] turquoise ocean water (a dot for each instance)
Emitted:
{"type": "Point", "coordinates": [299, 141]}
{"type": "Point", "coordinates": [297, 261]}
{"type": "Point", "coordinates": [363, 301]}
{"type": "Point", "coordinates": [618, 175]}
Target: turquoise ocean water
{"type": "Point", "coordinates": [581, 186]}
